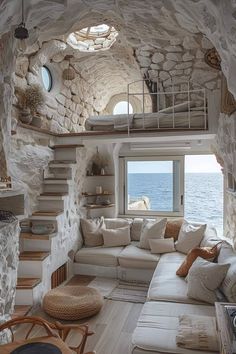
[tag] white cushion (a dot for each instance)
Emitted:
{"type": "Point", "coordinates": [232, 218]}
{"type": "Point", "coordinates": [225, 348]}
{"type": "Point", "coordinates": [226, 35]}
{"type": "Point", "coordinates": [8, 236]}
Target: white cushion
{"type": "Point", "coordinates": [91, 229]}
{"type": "Point", "coordinates": [165, 284]}
{"type": "Point", "coordinates": [114, 223]}
{"type": "Point", "coordinates": [101, 256]}
{"type": "Point", "coordinates": [190, 236]}
{"type": "Point", "coordinates": [210, 237]}
{"type": "Point", "coordinates": [158, 325]}
{"type": "Point", "coordinates": [136, 229]}
{"type": "Point", "coordinates": [204, 278]}
{"type": "Point", "coordinates": [198, 332]}
{"type": "Point", "coordinates": [162, 245]}
{"type": "Point", "coordinates": [116, 237]}
{"type": "Point", "coordinates": [135, 257]}
{"type": "Point", "coordinates": [152, 230]}
{"type": "Point", "coordinates": [228, 255]}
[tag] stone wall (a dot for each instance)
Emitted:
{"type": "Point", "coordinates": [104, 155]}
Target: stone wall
{"type": "Point", "coordinates": [9, 252]}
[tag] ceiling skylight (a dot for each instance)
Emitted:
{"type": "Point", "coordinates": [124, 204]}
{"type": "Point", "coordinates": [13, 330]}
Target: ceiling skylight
{"type": "Point", "coordinates": [93, 38]}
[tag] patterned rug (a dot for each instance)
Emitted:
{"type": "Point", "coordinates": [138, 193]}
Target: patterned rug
{"type": "Point", "coordinates": [130, 292]}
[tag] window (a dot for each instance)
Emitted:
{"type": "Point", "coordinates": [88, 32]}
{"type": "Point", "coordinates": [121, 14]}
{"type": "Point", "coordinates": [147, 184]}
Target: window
{"type": "Point", "coordinates": [204, 190]}
{"type": "Point", "coordinates": [153, 185]}
{"type": "Point", "coordinates": [46, 78]}
{"type": "Point", "coordinates": [122, 108]}
{"type": "Point", "coordinates": [96, 31]}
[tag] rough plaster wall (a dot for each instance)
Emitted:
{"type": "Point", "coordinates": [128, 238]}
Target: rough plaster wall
{"type": "Point", "coordinates": [9, 251]}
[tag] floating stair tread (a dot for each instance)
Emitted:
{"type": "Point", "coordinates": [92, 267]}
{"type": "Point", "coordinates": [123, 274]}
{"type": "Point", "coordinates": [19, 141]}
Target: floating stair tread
{"type": "Point", "coordinates": [48, 213]}
{"type": "Point", "coordinates": [27, 283]}
{"type": "Point", "coordinates": [33, 255]}
{"type": "Point", "coordinates": [21, 311]}
{"type": "Point", "coordinates": [53, 194]}
{"type": "Point", "coordinates": [62, 162]}
{"type": "Point", "coordinates": [67, 146]}
{"type": "Point", "coordinates": [30, 236]}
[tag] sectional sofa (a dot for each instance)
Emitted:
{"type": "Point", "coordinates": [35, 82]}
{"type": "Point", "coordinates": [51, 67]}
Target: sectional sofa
{"type": "Point", "coordinates": [167, 297]}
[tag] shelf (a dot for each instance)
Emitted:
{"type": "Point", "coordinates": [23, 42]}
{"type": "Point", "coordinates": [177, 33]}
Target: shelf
{"type": "Point", "coordinates": [96, 194]}
{"type": "Point", "coordinates": [106, 175]}
{"type": "Point", "coordinates": [94, 206]}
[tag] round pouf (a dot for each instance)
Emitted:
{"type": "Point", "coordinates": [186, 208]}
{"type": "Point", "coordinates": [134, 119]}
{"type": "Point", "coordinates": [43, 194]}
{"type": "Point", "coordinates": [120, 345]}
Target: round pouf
{"type": "Point", "coordinates": [72, 302]}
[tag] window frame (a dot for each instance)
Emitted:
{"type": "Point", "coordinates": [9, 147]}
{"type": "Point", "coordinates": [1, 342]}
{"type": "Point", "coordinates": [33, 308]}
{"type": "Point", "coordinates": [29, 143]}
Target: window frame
{"type": "Point", "coordinates": [178, 190]}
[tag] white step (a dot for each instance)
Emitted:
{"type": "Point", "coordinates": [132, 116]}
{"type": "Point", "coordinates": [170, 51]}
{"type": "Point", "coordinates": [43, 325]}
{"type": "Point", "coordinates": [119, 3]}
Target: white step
{"type": "Point", "coordinates": [27, 296]}
{"type": "Point", "coordinates": [46, 205]}
{"type": "Point", "coordinates": [52, 197]}
{"type": "Point", "coordinates": [36, 245]}
{"type": "Point", "coordinates": [56, 181]}
{"type": "Point", "coordinates": [56, 187]}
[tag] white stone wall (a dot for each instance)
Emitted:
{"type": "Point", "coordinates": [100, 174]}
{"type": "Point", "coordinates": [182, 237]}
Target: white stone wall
{"type": "Point", "coordinates": [9, 257]}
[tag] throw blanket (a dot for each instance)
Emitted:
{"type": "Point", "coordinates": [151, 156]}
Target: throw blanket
{"type": "Point", "coordinates": [197, 332]}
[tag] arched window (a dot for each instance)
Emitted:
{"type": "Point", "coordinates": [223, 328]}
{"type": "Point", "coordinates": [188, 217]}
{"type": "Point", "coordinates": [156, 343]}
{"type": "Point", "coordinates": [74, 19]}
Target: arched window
{"type": "Point", "coordinates": [46, 78]}
{"type": "Point", "coordinates": [122, 108]}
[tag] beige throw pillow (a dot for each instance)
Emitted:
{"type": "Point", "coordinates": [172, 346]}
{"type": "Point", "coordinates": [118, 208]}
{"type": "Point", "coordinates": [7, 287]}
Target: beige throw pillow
{"type": "Point", "coordinates": [136, 229]}
{"type": "Point", "coordinates": [162, 245]}
{"type": "Point", "coordinates": [204, 278]}
{"type": "Point", "coordinates": [190, 236]}
{"type": "Point", "coordinates": [152, 230]}
{"type": "Point", "coordinates": [116, 237]}
{"type": "Point", "coordinates": [197, 332]}
{"type": "Point", "coordinates": [92, 231]}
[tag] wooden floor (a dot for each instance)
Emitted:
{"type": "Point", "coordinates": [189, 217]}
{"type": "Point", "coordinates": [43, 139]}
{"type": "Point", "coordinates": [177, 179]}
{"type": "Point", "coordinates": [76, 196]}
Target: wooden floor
{"type": "Point", "coordinates": [113, 326]}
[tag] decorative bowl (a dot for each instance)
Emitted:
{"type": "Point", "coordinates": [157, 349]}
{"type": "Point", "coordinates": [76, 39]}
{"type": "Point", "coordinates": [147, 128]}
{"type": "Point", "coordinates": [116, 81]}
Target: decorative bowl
{"type": "Point", "coordinates": [43, 229]}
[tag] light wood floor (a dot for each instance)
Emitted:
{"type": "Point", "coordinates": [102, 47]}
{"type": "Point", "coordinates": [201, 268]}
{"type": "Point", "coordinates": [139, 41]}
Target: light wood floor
{"type": "Point", "coordinates": [113, 326]}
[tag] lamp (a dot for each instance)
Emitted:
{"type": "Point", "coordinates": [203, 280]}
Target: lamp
{"type": "Point", "coordinates": [21, 31]}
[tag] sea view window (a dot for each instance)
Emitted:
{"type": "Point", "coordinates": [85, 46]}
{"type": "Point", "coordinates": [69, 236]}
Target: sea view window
{"type": "Point", "coordinates": [154, 186]}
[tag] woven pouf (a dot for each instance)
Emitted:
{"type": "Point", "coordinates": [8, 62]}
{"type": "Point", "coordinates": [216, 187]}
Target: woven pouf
{"type": "Point", "coordinates": [72, 302]}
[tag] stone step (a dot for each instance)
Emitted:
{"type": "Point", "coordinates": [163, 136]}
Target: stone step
{"type": "Point", "coordinates": [33, 256]}
{"type": "Point", "coordinates": [27, 283]}
{"type": "Point", "coordinates": [67, 146]}
{"type": "Point", "coordinates": [47, 213]}
{"type": "Point", "coordinates": [34, 237]}
{"type": "Point", "coordinates": [21, 311]}
{"type": "Point", "coordinates": [52, 197]}
{"type": "Point", "coordinates": [62, 162]}
{"type": "Point", "coordinates": [56, 181]}
{"type": "Point", "coordinates": [54, 194]}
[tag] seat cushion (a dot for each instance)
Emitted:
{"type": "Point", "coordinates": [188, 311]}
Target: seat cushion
{"type": "Point", "coordinates": [158, 326]}
{"type": "Point", "coordinates": [135, 257]}
{"type": "Point", "coordinates": [166, 285]}
{"type": "Point", "coordinates": [101, 256]}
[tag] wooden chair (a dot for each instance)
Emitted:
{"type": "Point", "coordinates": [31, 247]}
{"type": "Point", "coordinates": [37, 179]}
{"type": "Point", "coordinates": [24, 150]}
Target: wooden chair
{"type": "Point", "coordinates": [52, 330]}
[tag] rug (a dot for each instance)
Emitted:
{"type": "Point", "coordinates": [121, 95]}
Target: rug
{"type": "Point", "coordinates": [130, 292]}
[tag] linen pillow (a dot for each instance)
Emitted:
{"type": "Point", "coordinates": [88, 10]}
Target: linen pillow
{"type": "Point", "coordinates": [136, 228]}
{"type": "Point", "coordinates": [116, 237]}
{"type": "Point", "coordinates": [115, 223]}
{"type": "Point", "coordinates": [172, 228]}
{"type": "Point", "coordinates": [162, 245]}
{"type": "Point", "coordinates": [204, 278]}
{"type": "Point", "coordinates": [190, 236]}
{"type": "Point", "coordinates": [152, 230]}
{"type": "Point", "coordinates": [197, 332]}
{"type": "Point", "coordinates": [228, 255]}
{"type": "Point", "coordinates": [92, 231]}
{"type": "Point", "coordinates": [209, 253]}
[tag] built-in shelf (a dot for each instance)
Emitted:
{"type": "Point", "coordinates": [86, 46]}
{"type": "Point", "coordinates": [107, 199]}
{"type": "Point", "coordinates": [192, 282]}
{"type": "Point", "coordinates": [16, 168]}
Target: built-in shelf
{"type": "Point", "coordinates": [106, 175]}
{"type": "Point", "coordinates": [94, 206]}
{"type": "Point", "coordinates": [96, 194]}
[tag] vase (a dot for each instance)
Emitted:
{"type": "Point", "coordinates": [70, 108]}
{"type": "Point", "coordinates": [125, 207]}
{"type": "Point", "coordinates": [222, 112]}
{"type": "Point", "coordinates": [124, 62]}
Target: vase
{"type": "Point", "coordinates": [37, 121]}
{"type": "Point", "coordinates": [25, 116]}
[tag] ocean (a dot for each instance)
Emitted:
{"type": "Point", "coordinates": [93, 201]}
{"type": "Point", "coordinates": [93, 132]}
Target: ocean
{"type": "Point", "coordinates": [203, 195]}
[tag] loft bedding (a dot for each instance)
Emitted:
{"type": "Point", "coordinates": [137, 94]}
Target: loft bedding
{"type": "Point", "coordinates": [180, 114]}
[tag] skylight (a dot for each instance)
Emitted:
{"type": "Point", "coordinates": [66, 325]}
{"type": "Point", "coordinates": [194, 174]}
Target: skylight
{"type": "Point", "coordinates": [93, 38]}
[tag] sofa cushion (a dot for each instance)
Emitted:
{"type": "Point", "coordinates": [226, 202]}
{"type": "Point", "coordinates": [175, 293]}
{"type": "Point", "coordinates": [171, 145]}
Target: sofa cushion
{"type": "Point", "coordinates": [152, 230]}
{"type": "Point", "coordinates": [210, 237]}
{"type": "Point", "coordinates": [136, 229]}
{"type": "Point", "coordinates": [91, 230]}
{"type": "Point", "coordinates": [162, 245]}
{"type": "Point", "coordinates": [114, 223]}
{"type": "Point", "coordinates": [165, 284]}
{"type": "Point", "coordinates": [228, 255]}
{"type": "Point", "coordinates": [204, 278]}
{"type": "Point", "coordinates": [101, 256]}
{"type": "Point", "coordinates": [172, 228]}
{"type": "Point", "coordinates": [190, 236]}
{"type": "Point", "coordinates": [209, 253]}
{"type": "Point", "coordinates": [116, 237]}
{"type": "Point", "coordinates": [135, 257]}
{"type": "Point", "coordinates": [158, 324]}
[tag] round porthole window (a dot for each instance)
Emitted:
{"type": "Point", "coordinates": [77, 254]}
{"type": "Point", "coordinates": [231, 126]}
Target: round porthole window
{"type": "Point", "coordinates": [46, 78]}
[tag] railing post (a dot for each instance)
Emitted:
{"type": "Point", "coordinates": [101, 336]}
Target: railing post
{"type": "Point", "coordinates": [189, 117]}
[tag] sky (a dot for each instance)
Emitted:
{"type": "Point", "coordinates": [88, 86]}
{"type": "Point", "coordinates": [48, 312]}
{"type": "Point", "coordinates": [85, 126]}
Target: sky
{"type": "Point", "coordinates": [193, 164]}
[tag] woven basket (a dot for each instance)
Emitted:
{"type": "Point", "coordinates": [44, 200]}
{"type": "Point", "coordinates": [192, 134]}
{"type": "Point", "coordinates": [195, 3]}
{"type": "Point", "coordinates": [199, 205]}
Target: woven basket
{"type": "Point", "coordinates": [72, 302]}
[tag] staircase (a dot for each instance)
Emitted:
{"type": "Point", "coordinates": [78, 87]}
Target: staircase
{"type": "Point", "coordinates": [41, 255]}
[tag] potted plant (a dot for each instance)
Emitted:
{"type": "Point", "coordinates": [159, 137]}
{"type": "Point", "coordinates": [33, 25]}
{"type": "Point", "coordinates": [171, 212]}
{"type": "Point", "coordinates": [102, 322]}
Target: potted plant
{"type": "Point", "coordinates": [31, 99]}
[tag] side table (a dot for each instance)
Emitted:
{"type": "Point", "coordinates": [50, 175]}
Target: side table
{"type": "Point", "coordinates": [226, 338]}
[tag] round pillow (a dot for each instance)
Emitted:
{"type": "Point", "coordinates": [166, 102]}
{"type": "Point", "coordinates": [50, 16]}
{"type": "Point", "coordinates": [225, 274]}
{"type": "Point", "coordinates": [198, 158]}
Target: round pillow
{"type": "Point", "coordinates": [72, 302]}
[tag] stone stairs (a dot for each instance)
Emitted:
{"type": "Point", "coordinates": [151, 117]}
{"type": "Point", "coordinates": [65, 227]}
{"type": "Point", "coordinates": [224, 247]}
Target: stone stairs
{"type": "Point", "coordinates": [39, 253]}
